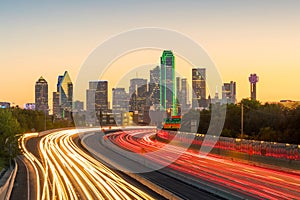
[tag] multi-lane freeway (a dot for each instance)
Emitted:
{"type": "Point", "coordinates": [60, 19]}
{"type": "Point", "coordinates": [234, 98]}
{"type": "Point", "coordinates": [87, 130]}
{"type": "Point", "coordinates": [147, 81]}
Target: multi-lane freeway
{"type": "Point", "coordinates": [242, 179]}
{"type": "Point", "coordinates": [86, 164]}
{"type": "Point", "coordinates": [64, 171]}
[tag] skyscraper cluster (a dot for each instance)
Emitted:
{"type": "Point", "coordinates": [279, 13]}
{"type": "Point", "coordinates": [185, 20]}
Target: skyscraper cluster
{"type": "Point", "coordinates": [62, 97]}
{"type": "Point", "coordinates": [164, 93]}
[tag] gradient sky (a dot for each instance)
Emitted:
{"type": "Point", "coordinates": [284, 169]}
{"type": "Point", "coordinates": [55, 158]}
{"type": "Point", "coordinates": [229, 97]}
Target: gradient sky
{"type": "Point", "coordinates": [40, 38]}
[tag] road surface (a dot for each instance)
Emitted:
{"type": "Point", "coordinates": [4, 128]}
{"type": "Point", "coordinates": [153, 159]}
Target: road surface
{"type": "Point", "coordinates": [64, 171]}
{"type": "Point", "coordinates": [236, 178]}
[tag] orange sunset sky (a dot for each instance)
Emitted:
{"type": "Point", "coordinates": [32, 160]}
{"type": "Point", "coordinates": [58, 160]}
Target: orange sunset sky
{"type": "Point", "coordinates": [46, 38]}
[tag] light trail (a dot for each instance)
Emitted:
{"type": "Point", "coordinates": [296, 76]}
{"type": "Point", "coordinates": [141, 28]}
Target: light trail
{"type": "Point", "coordinates": [253, 181]}
{"type": "Point", "coordinates": [67, 172]}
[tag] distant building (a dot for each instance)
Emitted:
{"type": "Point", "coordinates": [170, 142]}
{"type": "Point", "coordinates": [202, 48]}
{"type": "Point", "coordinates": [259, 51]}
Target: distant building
{"type": "Point", "coordinates": [4, 105]}
{"type": "Point", "coordinates": [41, 95]}
{"type": "Point", "coordinates": [97, 101]}
{"type": "Point", "coordinates": [29, 106]}
{"type": "Point", "coordinates": [120, 104]}
{"type": "Point", "coordinates": [290, 103]}
{"type": "Point", "coordinates": [78, 106]}
{"type": "Point", "coordinates": [184, 95]}
{"type": "Point", "coordinates": [216, 99]}
{"type": "Point", "coordinates": [154, 87]}
{"type": "Point", "coordinates": [178, 89]}
{"type": "Point", "coordinates": [101, 95]}
{"type": "Point", "coordinates": [253, 79]}
{"type": "Point", "coordinates": [229, 93]}
{"type": "Point", "coordinates": [120, 99]}
{"type": "Point", "coordinates": [199, 88]}
{"type": "Point", "coordinates": [91, 118]}
{"type": "Point", "coordinates": [65, 90]}
{"type": "Point", "coordinates": [63, 97]}
{"type": "Point", "coordinates": [168, 82]}
{"type": "Point", "coordinates": [138, 94]}
{"type": "Point", "coordinates": [78, 113]}
{"type": "Point", "coordinates": [137, 85]}
{"type": "Point", "coordinates": [55, 105]}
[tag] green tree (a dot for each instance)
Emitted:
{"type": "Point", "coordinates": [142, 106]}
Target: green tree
{"type": "Point", "coordinates": [9, 128]}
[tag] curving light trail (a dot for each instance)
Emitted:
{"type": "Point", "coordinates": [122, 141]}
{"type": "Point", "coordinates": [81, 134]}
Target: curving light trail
{"type": "Point", "coordinates": [253, 181]}
{"type": "Point", "coordinates": [67, 172]}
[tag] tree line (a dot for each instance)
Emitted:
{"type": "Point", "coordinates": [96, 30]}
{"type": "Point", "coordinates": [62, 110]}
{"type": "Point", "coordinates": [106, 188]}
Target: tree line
{"type": "Point", "coordinates": [15, 121]}
{"type": "Point", "coordinates": [268, 122]}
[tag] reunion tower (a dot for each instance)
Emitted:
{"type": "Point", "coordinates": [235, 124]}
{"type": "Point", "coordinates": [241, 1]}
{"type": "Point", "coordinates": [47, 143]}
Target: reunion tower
{"type": "Point", "coordinates": [253, 79]}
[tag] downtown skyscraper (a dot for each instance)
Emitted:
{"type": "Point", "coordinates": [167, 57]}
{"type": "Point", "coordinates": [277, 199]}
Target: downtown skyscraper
{"type": "Point", "coordinates": [63, 97]}
{"type": "Point", "coordinates": [199, 88]}
{"type": "Point", "coordinates": [96, 101]}
{"type": "Point", "coordinates": [41, 95]}
{"type": "Point", "coordinates": [168, 82]}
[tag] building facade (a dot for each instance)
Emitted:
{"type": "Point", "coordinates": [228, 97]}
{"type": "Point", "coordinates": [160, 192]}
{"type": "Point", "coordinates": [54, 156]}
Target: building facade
{"type": "Point", "coordinates": [199, 88]}
{"type": "Point", "coordinates": [96, 101]}
{"type": "Point", "coordinates": [41, 95]}
{"type": "Point", "coordinates": [29, 106]}
{"type": "Point", "coordinates": [229, 93]}
{"type": "Point", "coordinates": [55, 105]}
{"type": "Point", "coordinates": [137, 94]}
{"type": "Point", "coordinates": [91, 118]}
{"type": "Point", "coordinates": [120, 104]}
{"type": "Point", "coordinates": [4, 105]}
{"type": "Point", "coordinates": [138, 99]}
{"type": "Point", "coordinates": [154, 87]}
{"type": "Point", "coordinates": [63, 97]}
{"type": "Point", "coordinates": [184, 95]}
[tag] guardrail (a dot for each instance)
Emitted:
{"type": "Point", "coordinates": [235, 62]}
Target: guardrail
{"type": "Point", "coordinates": [6, 188]}
{"type": "Point", "coordinates": [251, 147]}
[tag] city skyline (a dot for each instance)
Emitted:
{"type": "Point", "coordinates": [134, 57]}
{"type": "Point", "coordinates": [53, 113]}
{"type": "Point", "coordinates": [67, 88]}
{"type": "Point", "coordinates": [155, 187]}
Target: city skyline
{"type": "Point", "coordinates": [240, 37]}
{"type": "Point", "coordinates": [134, 99]}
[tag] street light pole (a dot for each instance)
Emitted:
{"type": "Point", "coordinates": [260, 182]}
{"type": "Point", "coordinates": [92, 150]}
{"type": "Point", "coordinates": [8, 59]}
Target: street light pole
{"type": "Point", "coordinates": [242, 120]}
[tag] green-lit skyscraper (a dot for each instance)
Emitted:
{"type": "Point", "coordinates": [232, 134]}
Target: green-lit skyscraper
{"type": "Point", "coordinates": [168, 82]}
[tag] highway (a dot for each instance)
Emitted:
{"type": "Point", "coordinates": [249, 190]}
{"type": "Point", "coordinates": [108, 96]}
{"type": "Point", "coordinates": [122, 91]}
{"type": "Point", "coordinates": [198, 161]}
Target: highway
{"type": "Point", "coordinates": [64, 171]}
{"type": "Point", "coordinates": [169, 187]}
{"type": "Point", "coordinates": [236, 178]}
